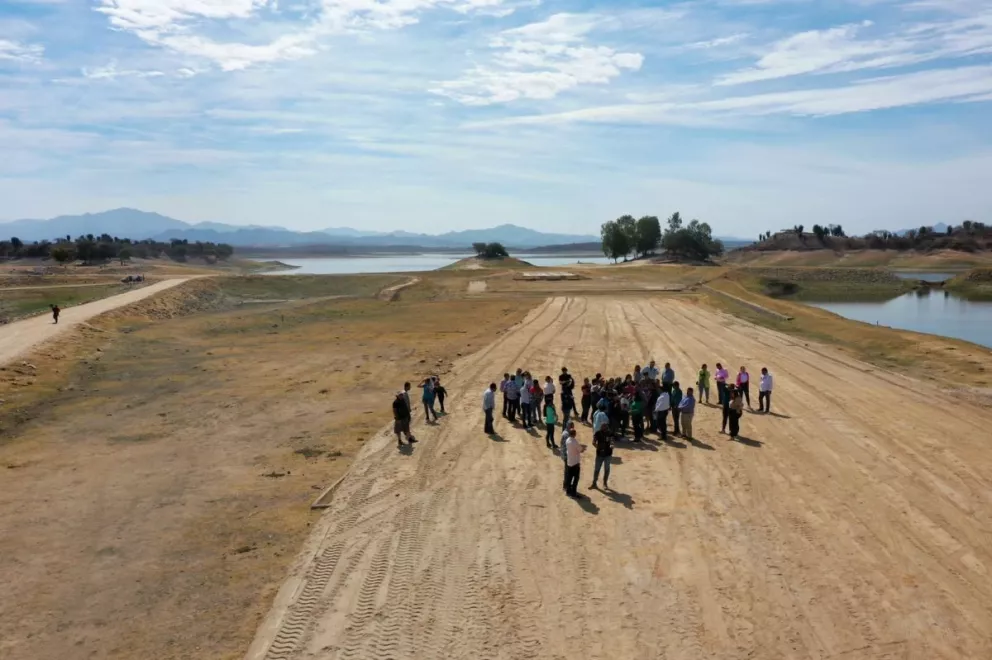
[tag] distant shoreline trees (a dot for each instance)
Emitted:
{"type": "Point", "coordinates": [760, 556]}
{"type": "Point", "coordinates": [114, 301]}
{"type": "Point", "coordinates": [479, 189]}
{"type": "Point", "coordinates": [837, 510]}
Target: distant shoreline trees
{"type": "Point", "coordinates": [969, 236]}
{"type": "Point", "coordinates": [490, 250]}
{"type": "Point", "coordinates": [642, 237]}
{"type": "Point", "coordinates": [92, 249]}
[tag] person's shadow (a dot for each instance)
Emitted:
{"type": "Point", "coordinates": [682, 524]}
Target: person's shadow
{"type": "Point", "coordinates": [496, 437]}
{"type": "Point", "coordinates": [406, 450]}
{"type": "Point", "coordinates": [621, 498]}
{"type": "Point", "coordinates": [778, 415]}
{"type": "Point", "coordinates": [698, 444]}
{"type": "Point", "coordinates": [749, 442]}
{"type": "Point", "coordinates": [587, 504]}
{"type": "Point", "coordinates": [672, 442]}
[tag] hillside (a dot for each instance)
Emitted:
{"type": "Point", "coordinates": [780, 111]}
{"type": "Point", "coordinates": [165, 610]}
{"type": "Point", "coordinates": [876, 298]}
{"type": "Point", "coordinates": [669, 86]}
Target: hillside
{"type": "Point", "coordinates": [968, 237]}
{"type": "Point", "coordinates": [143, 225]}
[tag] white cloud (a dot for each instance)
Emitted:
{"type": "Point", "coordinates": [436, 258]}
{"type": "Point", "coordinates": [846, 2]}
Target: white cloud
{"type": "Point", "coordinates": [847, 48]}
{"type": "Point", "coordinates": [183, 25]}
{"type": "Point", "coordinates": [539, 61]}
{"type": "Point", "coordinates": [18, 52]}
{"type": "Point", "coordinates": [111, 72]}
{"type": "Point", "coordinates": [942, 85]}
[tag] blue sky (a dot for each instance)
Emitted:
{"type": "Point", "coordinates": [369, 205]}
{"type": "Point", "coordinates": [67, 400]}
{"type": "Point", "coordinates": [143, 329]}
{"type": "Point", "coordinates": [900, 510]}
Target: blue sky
{"type": "Point", "coordinates": [432, 115]}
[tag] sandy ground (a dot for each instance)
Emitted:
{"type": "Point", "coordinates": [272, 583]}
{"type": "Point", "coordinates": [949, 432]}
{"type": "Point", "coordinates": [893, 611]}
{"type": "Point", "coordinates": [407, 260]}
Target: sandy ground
{"type": "Point", "coordinates": [21, 336]}
{"type": "Point", "coordinates": [853, 523]}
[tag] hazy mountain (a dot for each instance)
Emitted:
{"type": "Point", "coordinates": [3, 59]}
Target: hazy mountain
{"type": "Point", "coordinates": [119, 222]}
{"type": "Point", "coordinates": [135, 224]}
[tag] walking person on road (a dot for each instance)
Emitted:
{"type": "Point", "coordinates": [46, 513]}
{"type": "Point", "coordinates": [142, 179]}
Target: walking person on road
{"type": "Point", "coordinates": [401, 419]}
{"type": "Point", "coordinates": [765, 391]}
{"type": "Point", "coordinates": [55, 313]}
{"type": "Point", "coordinates": [550, 419]}
{"type": "Point", "coordinates": [744, 385]}
{"type": "Point", "coordinates": [488, 408]}
{"type": "Point", "coordinates": [428, 399]}
{"type": "Point", "coordinates": [661, 409]}
{"type": "Point", "coordinates": [604, 451]}
{"type": "Point", "coordinates": [573, 462]}
{"type": "Point", "coordinates": [440, 392]}
{"type": "Point", "coordinates": [687, 410]}
{"type": "Point", "coordinates": [703, 383]}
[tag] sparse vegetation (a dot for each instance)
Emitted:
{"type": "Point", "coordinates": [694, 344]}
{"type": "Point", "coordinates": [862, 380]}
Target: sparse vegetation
{"type": "Point", "coordinates": [92, 249]}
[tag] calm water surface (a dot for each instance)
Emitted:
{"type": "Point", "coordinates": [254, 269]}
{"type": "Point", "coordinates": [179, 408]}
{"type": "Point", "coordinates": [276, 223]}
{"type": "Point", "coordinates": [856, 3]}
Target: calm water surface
{"type": "Point", "coordinates": [923, 275]}
{"type": "Point", "coordinates": [389, 263]}
{"type": "Point", "coordinates": [934, 312]}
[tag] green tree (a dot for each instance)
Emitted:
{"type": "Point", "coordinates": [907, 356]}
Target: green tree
{"type": "Point", "coordinates": [648, 234]}
{"type": "Point", "coordinates": [820, 232]}
{"type": "Point", "coordinates": [628, 225]}
{"type": "Point", "coordinates": [837, 230]}
{"type": "Point", "coordinates": [62, 254]}
{"type": "Point", "coordinates": [693, 241]}
{"type": "Point", "coordinates": [124, 255]}
{"type": "Point", "coordinates": [480, 249]}
{"type": "Point", "coordinates": [17, 244]}
{"type": "Point", "coordinates": [616, 243]}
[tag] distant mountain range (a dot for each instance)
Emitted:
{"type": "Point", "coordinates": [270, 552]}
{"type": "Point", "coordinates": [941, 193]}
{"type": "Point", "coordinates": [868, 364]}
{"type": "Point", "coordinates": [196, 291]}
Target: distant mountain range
{"type": "Point", "coordinates": [135, 224]}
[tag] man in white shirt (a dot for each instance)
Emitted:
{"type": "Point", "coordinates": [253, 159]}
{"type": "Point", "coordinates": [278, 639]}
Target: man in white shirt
{"type": "Point", "coordinates": [573, 463]}
{"type": "Point", "coordinates": [650, 372]}
{"type": "Point", "coordinates": [661, 409]}
{"type": "Point", "coordinates": [568, 433]}
{"type": "Point", "coordinates": [765, 391]}
{"type": "Point", "coordinates": [549, 391]}
{"type": "Point", "coordinates": [488, 406]}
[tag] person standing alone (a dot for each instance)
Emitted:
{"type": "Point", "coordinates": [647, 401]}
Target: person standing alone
{"type": "Point", "coordinates": [488, 407]}
{"type": "Point", "coordinates": [703, 383]}
{"type": "Point", "coordinates": [401, 419]}
{"type": "Point", "coordinates": [765, 391]}
{"type": "Point", "coordinates": [55, 313]}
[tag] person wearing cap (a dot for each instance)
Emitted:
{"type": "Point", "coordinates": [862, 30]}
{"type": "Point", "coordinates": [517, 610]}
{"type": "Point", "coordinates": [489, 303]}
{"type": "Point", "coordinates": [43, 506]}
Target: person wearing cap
{"type": "Point", "coordinates": [488, 406]}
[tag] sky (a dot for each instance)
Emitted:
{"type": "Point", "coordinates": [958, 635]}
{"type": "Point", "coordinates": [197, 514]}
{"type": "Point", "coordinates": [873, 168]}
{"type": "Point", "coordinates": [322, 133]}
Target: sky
{"type": "Point", "coordinates": [437, 115]}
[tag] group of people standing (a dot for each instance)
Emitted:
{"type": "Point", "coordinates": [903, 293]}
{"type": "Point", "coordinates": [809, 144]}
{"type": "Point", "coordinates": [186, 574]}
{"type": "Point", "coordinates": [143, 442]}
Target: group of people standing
{"type": "Point", "coordinates": [641, 402]}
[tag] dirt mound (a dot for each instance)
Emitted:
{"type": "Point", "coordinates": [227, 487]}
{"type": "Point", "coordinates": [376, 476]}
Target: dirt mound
{"type": "Point", "coordinates": [475, 263]}
{"type": "Point", "coordinates": [188, 298]}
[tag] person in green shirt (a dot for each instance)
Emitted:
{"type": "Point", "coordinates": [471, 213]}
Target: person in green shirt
{"type": "Point", "coordinates": [550, 419]}
{"type": "Point", "coordinates": [637, 417]}
{"type": "Point", "coordinates": [676, 399]}
{"type": "Point", "coordinates": [703, 383]}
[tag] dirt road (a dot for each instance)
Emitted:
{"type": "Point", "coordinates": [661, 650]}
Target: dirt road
{"type": "Point", "coordinates": [853, 523]}
{"type": "Point", "coordinates": [21, 336]}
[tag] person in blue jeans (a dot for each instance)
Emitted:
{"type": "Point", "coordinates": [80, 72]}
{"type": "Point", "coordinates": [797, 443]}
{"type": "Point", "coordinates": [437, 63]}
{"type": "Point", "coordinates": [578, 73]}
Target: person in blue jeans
{"type": "Point", "coordinates": [428, 399]}
{"type": "Point", "coordinates": [603, 443]}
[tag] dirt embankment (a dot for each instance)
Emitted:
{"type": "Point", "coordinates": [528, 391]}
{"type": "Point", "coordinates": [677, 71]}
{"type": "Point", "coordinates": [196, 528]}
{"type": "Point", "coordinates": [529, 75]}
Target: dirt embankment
{"type": "Point", "coordinates": [158, 463]}
{"type": "Point", "coordinates": [833, 527]}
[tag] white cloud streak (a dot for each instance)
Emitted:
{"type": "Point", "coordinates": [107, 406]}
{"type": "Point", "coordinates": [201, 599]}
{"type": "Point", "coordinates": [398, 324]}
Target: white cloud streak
{"type": "Point", "coordinates": [14, 51]}
{"type": "Point", "coordinates": [539, 61]}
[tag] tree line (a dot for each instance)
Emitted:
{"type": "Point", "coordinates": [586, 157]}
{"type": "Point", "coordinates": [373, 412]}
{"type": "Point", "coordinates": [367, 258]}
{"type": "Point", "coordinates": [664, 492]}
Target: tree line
{"type": "Point", "coordinates": [92, 249]}
{"type": "Point", "coordinates": [642, 237]}
{"type": "Point", "coordinates": [969, 236]}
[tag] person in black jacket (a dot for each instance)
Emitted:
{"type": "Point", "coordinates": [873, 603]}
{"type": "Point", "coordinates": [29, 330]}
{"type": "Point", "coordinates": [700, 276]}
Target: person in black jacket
{"type": "Point", "coordinates": [603, 443]}
{"type": "Point", "coordinates": [401, 419]}
{"type": "Point", "coordinates": [440, 392]}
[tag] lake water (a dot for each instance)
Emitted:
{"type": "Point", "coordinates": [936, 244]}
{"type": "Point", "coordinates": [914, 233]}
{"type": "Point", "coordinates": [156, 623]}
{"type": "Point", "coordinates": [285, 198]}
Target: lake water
{"type": "Point", "coordinates": [924, 276]}
{"type": "Point", "coordinates": [404, 263]}
{"type": "Point", "coordinates": [935, 312]}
